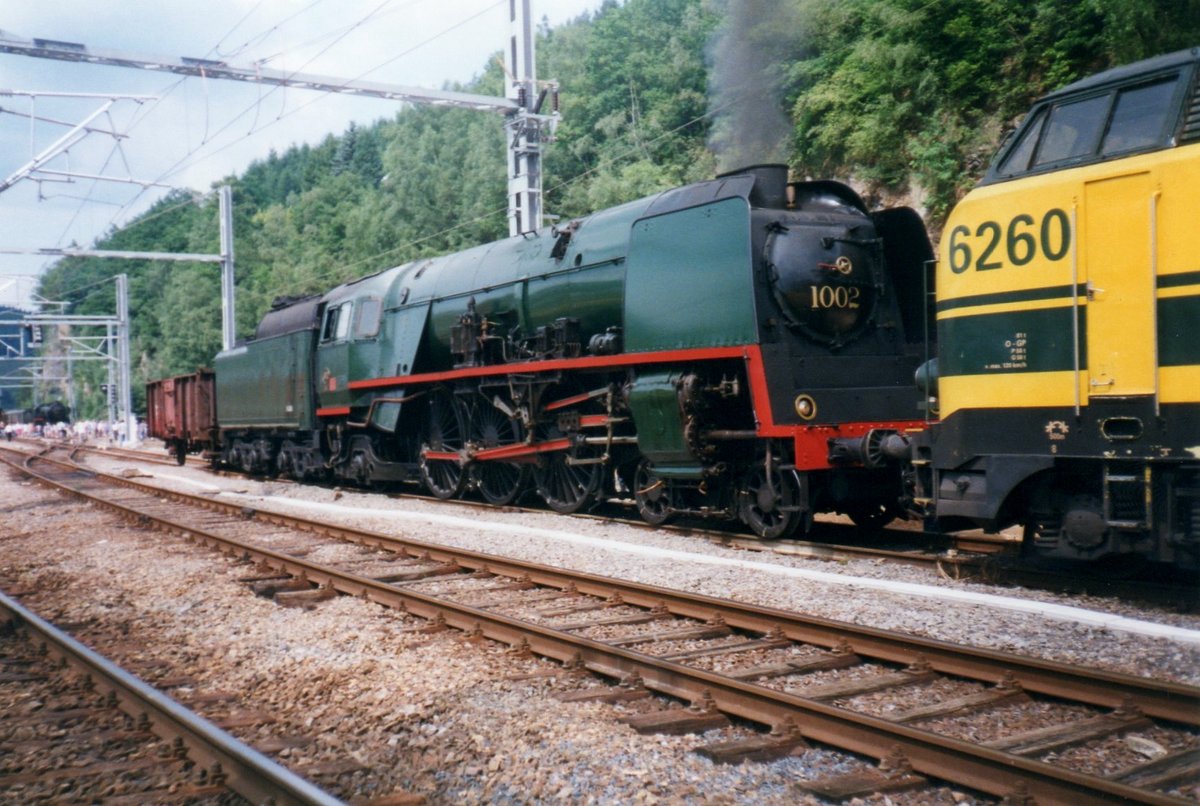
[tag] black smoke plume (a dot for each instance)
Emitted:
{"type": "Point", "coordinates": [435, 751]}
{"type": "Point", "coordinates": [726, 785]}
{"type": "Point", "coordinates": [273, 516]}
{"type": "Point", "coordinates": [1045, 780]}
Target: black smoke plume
{"type": "Point", "coordinates": [754, 42]}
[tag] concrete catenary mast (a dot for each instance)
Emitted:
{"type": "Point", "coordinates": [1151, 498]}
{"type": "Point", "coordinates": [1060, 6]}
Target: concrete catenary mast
{"type": "Point", "coordinates": [527, 127]}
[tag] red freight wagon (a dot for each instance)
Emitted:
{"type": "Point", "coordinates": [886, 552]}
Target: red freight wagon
{"type": "Point", "coordinates": [182, 412]}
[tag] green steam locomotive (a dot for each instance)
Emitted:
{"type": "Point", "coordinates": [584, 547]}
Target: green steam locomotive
{"type": "Point", "coordinates": [740, 348]}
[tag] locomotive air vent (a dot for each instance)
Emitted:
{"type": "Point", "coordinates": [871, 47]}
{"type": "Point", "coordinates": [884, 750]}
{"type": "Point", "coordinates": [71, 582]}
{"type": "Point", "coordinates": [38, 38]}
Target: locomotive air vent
{"type": "Point", "coordinates": [1191, 117]}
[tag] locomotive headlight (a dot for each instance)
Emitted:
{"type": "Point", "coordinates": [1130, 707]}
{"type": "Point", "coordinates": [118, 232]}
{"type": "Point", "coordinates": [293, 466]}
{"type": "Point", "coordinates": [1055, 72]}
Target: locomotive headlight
{"type": "Point", "coordinates": [806, 407]}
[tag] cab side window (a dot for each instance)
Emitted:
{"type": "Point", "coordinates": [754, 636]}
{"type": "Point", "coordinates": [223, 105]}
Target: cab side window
{"type": "Point", "coordinates": [330, 326]}
{"type": "Point", "coordinates": [1017, 160]}
{"type": "Point", "coordinates": [1073, 130]}
{"type": "Point", "coordinates": [1082, 130]}
{"type": "Point", "coordinates": [366, 325]}
{"type": "Point", "coordinates": [337, 322]}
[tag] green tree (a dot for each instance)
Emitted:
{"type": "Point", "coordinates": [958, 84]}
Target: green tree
{"type": "Point", "coordinates": [908, 99]}
{"type": "Point", "coordinates": [634, 83]}
{"type": "Point", "coordinates": [904, 94]}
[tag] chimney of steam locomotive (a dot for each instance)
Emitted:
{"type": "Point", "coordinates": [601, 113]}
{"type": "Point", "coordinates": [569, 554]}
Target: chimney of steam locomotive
{"type": "Point", "coordinates": [770, 184]}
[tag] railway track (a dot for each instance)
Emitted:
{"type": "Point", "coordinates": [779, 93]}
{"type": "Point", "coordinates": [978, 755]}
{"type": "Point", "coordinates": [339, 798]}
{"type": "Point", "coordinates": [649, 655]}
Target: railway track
{"type": "Point", "coordinates": [957, 556]}
{"type": "Point", "coordinates": [972, 556]}
{"type": "Point", "coordinates": [917, 706]}
{"type": "Point", "coordinates": [154, 457]}
{"type": "Point", "coordinates": [129, 742]}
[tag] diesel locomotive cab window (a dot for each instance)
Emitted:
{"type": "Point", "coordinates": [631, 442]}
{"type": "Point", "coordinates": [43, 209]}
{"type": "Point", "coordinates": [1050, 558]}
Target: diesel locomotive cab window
{"type": "Point", "coordinates": [1017, 160]}
{"type": "Point", "coordinates": [1074, 130]}
{"type": "Point", "coordinates": [369, 313]}
{"type": "Point", "coordinates": [1139, 117]}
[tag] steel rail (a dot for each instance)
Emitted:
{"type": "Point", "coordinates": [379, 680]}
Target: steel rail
{"type": "Point", "coordinates": [973, 553]}
{"type": "Point", "coordinates": [942, 757]}
{"type": "Point", "coordinates": [248, 772]}
{"type": "Point", "coordinates": [1175, 702]}
{"type": "Point", "coordinates": [1161, 699]}
{"type": "Point", "coordinates": [154, 457]}
{"type": "Point", "coordinates": [976, 550]}
{"type": "Point", "coordinates": [965, 556]}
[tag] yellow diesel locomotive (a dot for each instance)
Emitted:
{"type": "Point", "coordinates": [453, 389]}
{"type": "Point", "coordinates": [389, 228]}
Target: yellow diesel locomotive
{"type": "Point", "coordinates": [1068, 323]}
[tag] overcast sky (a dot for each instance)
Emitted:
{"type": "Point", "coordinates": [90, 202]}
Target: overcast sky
{"type": "Point", "coordinates": [199, 131]}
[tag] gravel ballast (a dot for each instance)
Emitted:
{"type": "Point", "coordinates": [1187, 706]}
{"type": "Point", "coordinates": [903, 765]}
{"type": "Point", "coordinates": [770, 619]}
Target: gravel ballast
{"type": "Point", "coordinates": [426, 709]}
{"type": "Point", "coordinates": [528, 536]}
{"type": "Point", "coordinates": [387, 707]}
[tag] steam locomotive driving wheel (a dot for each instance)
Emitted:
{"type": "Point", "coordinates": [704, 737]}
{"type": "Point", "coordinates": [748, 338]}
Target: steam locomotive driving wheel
{"type": "Point", "coordinates": [569, 480]}
{"type": "Point", "coordinates": [442, 435]}
{"type": "Point", "coordinates": [498, 482]}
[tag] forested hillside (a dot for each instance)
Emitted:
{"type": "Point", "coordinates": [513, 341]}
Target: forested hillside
{"type": "Point", "coordinates": [907, 99]}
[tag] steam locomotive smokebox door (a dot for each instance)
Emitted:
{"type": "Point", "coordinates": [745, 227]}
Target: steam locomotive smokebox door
{"type": "Point", "coordinates": [689, 279]}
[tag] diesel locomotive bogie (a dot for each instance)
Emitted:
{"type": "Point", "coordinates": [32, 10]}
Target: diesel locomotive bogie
{"type": "Point", "coordinates": [1097, 509]}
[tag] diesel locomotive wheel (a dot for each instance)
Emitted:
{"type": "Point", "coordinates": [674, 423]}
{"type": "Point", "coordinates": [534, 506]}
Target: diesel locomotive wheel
{"type": "Point", "coordinates": [769, 503]}
{"type": "Point", "coordinates": [500, 483]}
{"type": "Point", "coordinates": [568, 480]}
{"type": "Point", "coordinates": [443, 434]}
{"type": "Point", "coordinates": [653, 494]}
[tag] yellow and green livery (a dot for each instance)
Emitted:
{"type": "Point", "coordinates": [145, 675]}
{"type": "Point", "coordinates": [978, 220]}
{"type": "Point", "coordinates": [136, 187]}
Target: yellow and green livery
{"type": "Point", "coordinates": [1068, 296]}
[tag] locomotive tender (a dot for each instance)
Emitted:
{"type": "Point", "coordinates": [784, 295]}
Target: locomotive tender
{"type": "Point", "coordinates": [746, 348]}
